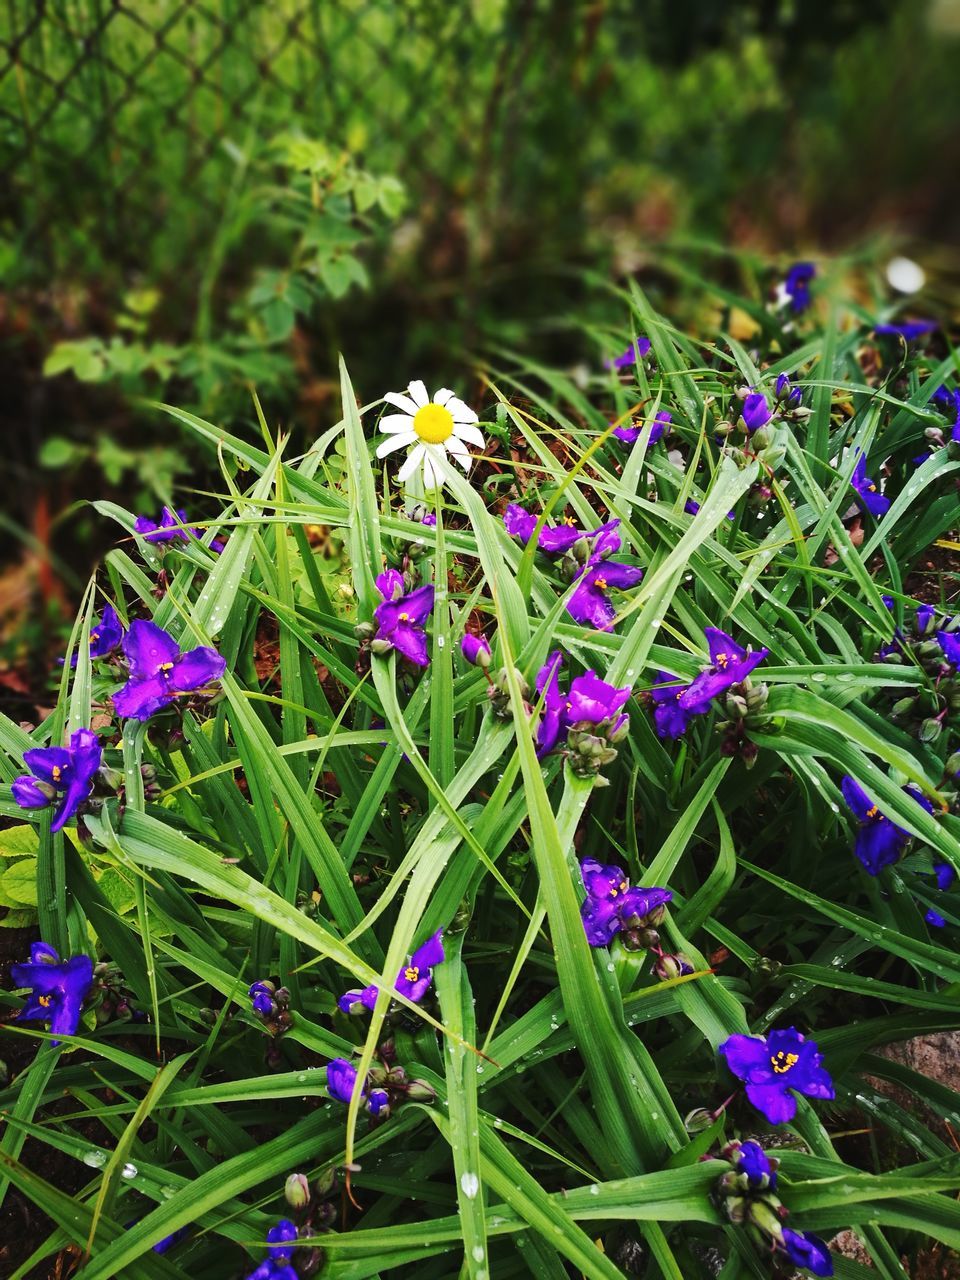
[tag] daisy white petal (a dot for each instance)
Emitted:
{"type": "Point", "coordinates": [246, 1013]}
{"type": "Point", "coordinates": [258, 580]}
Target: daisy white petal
{"type": "Point", "coordinates": [414, 458]}
{"type": "Point", "coordinates": [461, 412]}
{"type": "Point", "coordinates": [467, 431]}
{"type": "Point", "coordinates": [418, 393]}
{"type": "Point", "coordinates": [432, 477]}
{"type": "Point", "coordinates": [402, 402]}
{"type": "Point", "coordinates": [443, 395]}
{"type": "Point", "coordinates": [458, 450]}
{"type": "Point", "coordinates": [397, 441]}
{"type": "Point", "coordinates": [396, 422]}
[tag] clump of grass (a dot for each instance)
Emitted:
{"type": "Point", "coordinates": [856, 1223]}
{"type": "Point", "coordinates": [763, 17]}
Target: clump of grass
{"type": "Point", "coordinates": [270, 862]}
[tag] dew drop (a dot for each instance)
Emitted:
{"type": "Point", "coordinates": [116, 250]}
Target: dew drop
{"type": "Point", "coordinates": [129, 1171]}
{"type": "Point", "coordinates": [469, 1184]}
{"type": "Point", "coordinates": [96, 1159]}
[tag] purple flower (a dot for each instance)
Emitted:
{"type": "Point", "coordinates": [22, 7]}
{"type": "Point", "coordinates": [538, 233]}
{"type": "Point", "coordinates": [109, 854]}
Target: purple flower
{"type": "Point", "coordinates": [935, 919]}
{"type": "Point", "coordinates": [261, 996]}
{"type": "Point", "coordinates": [556, 540]}
{"type": "Point", "coordinates": [588, 604]}
{"type": "Point", "coordinates": [866, 489]}
{"type": "Point", "coordinates": [755, 411]}
{"type": "Point", "coordinates": [730, 664]}
{"type": "Point", "coordinates": [429, 519]}
{"type": "Point", "coordinates": [413, 980]}
{"type": "Point", "coordinates": [908, 330]}
{"type": "Point", "coordinates": [924, 616]}
{"type": "Point", "coordinates": [797, 285]}
{"type": "Point", "coordinates": [400, 617]}
{"type": "Point", "coordinates": [950, 644]}
{"type": "Point", "coordinates": [751, 1160]}
{"type": "Point", "coordinates": [773, 1066]}
{"type": "Point", "coordinates": [669, 717]}
{"type": "Point", "coordinates": [341, 1078]}
{"type": "Point", "coordinates": [65, 771]}
{"type": "Point", "coordinates": [58, 989]}
{"type": "Point", "coordinates": [476, 650]}
{"type": "Point", "coordinates": [172, 527]}
{"type": "Point", "coordinates": [880, 842]}
{"type": "Point", "coordinates": [159, 672]}
{"type": "Point", "coordinates": [661, 425]}
{"type": "Point", "coordinates": [945, 875]}
{"type": "Point", "coordinates": [807, 1250]}
{"type": "Point", "coordinates": [105, 635]}
{"type": "Point", "coordinates": [592, 700]}
{"type": "Point", "coordinates": [692, 508]}
{"type": "Point", "coordinates": [279, 1238]}
{"type": "Point", "coordinates": [553, 712]}
{"type": "Point", "coordinates": [638, 350]}
{"type": "Point", "coordinates": [611, 905]}
{"type": "Point", "coordinates": [786, 394]}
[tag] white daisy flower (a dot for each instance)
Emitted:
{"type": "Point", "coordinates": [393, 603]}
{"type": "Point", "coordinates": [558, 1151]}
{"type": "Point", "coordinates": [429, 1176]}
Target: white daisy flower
{"type": "Point", "coordinates": [443, 425]}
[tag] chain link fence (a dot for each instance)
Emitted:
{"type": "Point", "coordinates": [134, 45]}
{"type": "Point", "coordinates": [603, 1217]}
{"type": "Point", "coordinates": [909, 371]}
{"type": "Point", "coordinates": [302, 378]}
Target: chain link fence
{"type": "Point", "coordinates": [122, 121]}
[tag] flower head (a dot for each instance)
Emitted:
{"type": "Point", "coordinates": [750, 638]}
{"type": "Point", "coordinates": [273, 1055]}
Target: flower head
{"type": "Point", "coordinates": [660, 427]}
{"type": "Point", "coordinates": [589, 604]}
{"type": "Point", "coordinates": [276, 1265]}
{"type": "Point", "coordinates": [555, 540]}
{"type": "Point", "coordinates": [797, 285]}
{"type": "Point", "coordinates": [57, 988]}
{"type": "Point", "coordinates": [880, 842]}
{"type": "Point", "coordinates": [752, 1161]}
{"type": "Point", "coordinates": [773, 1066]}
{"type": "Point", "coordinates": [755, 412]}
{"type": "Point", "coordinates": [669, 717]}
{"type": "Point", "coordinates": [435, 428]}
{"type": "Point", "coordinates": [413, 980]}
{"type": "Point", "coordinates": [105, 635]}
{"type": "Point", "coordinates": [866, 489]}
{"type": "Point", "coordinates": [786, 394]}
{"type": "Point", "coordinates": [592, 700]}
{"type": "Point", "coordinates": [341, 1078]}
{"type": "Point", "coordinates": [908, 330]}
{"type": "Point", "coordinates": [804, 1249]}
{"type": "Point", "coordinates": [638, 350]}
{"type": "Point", "coordinates": [160, 672]}
{"type": "Point", "coordinates": [262, 999]}
{"type": "Point", "coordinates": [476, 650]}
{"type": "Point", "coordinates": [67, 772]}
{"type": "Point", "coordinates": [730, 664]}
{"type": "Point", "coordinates": [400, 617]}
{"type": "Point", "coordinates": [553, 713]}
{"type": "Point", "coordinates": [612, 905]}
{"type": "Point", "coordinates": [950, 644]}
{"type": "Point", "coordinates": [171, 527]}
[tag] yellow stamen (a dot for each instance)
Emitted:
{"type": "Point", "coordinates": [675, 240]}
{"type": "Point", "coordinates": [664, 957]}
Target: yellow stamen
{"type": "Point", "coordinates": [433, 423]}
{"type": "Point", "coordinates": [722, 660]}
{"type": "Point", "coordinates": [872, 811]}
{"type": "Point", "coordinates": [403, 617]}
{"type": "Point", "coordinates": [600, 584]}
{"type": "Point", "coordinates": [94, 637]}
{"type": "Point", "coordinates": [570, 521]}
{"type": "Point", "coordinates": [44, 1000]}
{"type": "Point", "coordinates": [782, 1062]}
{"type": "Point", "coordinates": [56, 772]}
{"type": "Point", "coordinates": [411, 973]}
{"type": "Point", "coordinates": [165, 666]}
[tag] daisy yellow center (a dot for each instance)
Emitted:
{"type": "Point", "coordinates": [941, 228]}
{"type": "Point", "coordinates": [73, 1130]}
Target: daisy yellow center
{"type": "Point", "coordinates": [411, 973]}
{"type": "Point", "coordinates": [433, 423]}
{"type": "Point", "coordinates": [782, 1062]}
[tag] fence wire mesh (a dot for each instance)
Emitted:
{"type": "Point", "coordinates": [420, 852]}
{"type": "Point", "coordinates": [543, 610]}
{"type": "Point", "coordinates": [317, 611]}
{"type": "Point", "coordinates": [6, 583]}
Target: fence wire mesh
{"type": "Point", "coordinates": [121, 121]}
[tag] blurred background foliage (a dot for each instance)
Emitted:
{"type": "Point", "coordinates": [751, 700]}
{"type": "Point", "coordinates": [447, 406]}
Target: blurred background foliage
{"type": "Point", "coordinates": [202, 196]}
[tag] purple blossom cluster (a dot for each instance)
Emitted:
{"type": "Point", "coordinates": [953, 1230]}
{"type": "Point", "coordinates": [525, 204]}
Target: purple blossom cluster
{"type": "Point", "coordinates": [675, 704]}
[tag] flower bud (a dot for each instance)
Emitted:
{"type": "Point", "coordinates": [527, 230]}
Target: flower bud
{"type": "Point", "coordinates": [672, 966]}
{"type": "Point", "coordinates": [756, 696]}
{"type": "Point", "coordinates": [952, 767]}
{"type": "Point", "coordinates": [935, 434]}
{"type": "Point", "coordinates": [764, 1214]}
{"type": "Point", "coordinates": [760, 439]}
{"type": "Point", "coordinates": [365, 630]}
{"type": "Point", "coordinates": [723, 429]}
{"type": "Point", "coordinates": [736, 1209]}
{"type": "Point", "coordinates": [476, 650]}
{"type": "Point", "coordinates": [697, 1121]}
{"type": "Point", "coordinates": [381, 647]}
{"type": "Point", "coordinates": [296, 1191]}
{"type": "Point", "coordinates": [420, 1091]}
{"type": "Point", "coordinates": [325, 1182]}
{"type": "Point", "coordinates": [930, 730]}
{"type": "Point", "coordinates": [902, 707]}
{"type": "Point", "coordinates": [33, 793]}
{"type": "Point", "coordinates": [735, 705]}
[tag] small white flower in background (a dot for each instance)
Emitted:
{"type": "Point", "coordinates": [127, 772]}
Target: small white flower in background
{"type": "Point", "coordinates": [905, 275]}
{"type": "Point", "coordinates": [443, 425]}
